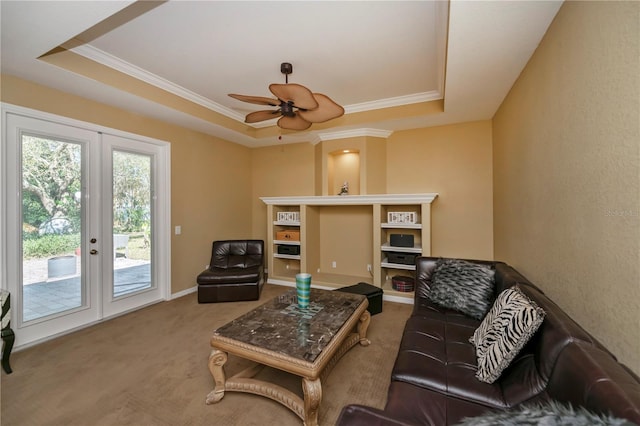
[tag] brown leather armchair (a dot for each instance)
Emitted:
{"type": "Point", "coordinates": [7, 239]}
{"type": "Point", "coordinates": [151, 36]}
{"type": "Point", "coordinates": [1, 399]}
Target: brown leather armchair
{"type": "Point", "coordinates": [235, 273]}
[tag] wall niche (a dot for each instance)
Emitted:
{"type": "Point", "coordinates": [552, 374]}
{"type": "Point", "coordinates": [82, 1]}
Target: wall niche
{"type": "Point", "coordinates": [361, 161]}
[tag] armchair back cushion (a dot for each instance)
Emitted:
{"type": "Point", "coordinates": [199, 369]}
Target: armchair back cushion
{"type": "Point", "coordinates": [237, 254]}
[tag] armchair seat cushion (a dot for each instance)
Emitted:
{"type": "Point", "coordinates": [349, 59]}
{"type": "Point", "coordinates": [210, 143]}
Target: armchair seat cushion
{"type": "Point", "coordinates": [229, 276]}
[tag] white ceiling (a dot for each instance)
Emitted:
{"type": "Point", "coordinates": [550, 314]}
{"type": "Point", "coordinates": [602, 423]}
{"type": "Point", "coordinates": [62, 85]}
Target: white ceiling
{"type": "Point", "coordinates": [365, 55]}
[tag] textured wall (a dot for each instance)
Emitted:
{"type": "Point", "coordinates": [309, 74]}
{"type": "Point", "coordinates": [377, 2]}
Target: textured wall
{"type": "Point", "coordinates": [567, 171]}
{"type": "Point", "coordinates": [454, 161]}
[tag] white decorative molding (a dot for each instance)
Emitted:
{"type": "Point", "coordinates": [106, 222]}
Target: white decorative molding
{"type": "Point", "coordinates": [327, 136]}
{"type": "Point", "coordinates": [118, 64]}
{"type": "Point", "coordinates": [414, 98]}
{"type": "Point", "coordinates": [330, 200]}
{"type": "Point", "coordinates": [111, 61]}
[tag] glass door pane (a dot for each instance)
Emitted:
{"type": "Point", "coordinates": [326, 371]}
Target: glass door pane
{"type": "Point", "coordinates": [132, 216]}
{"type": "Point", "coordinates": [52, 278]}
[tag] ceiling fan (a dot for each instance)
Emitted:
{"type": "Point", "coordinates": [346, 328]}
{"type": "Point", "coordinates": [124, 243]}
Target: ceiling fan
{"type": "Point", "coordinates": [297, 106]}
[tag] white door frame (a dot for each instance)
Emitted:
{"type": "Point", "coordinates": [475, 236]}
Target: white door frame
{"type": "Point", "coordinates": [9, 259]}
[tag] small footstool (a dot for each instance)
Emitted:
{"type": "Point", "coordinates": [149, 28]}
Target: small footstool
{"type": "Point", "coordinates": [373, 293]}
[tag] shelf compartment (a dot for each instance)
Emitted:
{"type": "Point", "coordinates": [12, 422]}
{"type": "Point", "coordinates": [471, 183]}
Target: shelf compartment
{"type": "Point", "coordinates": [387, 264]}
{"type": "Point", "coordinates": [286, 242]}
{"type": "Point", "coordinates": [287, 256]}
{"type": "Point", "coordinates": [414, 249]}
{"type": "Point", "coordinates": [282, 223]}
{"type": "Point", "coordinates": [401, 225]}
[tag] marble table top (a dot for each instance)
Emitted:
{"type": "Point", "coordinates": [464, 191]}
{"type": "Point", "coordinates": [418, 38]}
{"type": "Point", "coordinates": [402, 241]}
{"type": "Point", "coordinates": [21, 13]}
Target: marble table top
{"type": "Point", "coordinates": [281, 326]}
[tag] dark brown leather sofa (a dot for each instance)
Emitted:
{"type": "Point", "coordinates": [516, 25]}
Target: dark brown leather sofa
{"type": "Point", "coordinates": [433, 380]}
{"type": "Point", "coordinates": [235, 272]}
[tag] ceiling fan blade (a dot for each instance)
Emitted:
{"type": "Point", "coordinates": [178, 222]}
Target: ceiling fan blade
{"type": "Point", "coordinates": [327, 110]}
{"type": "Point", "coordinates": [296, 93]}
{"type": "Point", "coordinates": [257, 116]}
{"type": "Point", "coordinates": [293, 123]}
{"type": "Point", "coordinates": [256, 99]}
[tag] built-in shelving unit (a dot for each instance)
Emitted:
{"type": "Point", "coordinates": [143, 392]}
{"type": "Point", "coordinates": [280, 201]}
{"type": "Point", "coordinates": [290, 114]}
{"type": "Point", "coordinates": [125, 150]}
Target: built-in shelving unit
{"type": "Point", "coordinates": [347, 239]}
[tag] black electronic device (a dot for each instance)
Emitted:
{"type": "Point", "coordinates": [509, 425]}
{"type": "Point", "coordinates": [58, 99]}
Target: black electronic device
{"type": "Point", "coordinates": [402, 258]}
{"type": "Point", "coordinates": [287, 249]}
{"type": "Point", "coordinates": [401, 240]}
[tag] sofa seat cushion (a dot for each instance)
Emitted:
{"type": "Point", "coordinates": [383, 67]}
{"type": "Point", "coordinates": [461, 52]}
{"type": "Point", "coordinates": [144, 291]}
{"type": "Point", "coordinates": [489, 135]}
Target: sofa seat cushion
{"type": "Point", "coordinates": [417, 406]}
{"type": "Point", "coordinates": [437, 355]}
{"type": "Point", "coordinates": [229, 275]}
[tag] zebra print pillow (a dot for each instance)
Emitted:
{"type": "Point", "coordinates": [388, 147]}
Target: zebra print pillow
{"type": "Point", "coordinates": [511, 322]}
{"type": "Point", "coordinates": [464, 286]}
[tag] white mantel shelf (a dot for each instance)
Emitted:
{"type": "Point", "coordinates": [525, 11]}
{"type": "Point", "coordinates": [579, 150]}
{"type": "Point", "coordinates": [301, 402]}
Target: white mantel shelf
{"type": "Point", "coordinates": [333, 200]}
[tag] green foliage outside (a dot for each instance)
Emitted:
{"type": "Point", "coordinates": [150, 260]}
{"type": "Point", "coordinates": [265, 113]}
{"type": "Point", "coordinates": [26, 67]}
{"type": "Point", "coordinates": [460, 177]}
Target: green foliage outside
{"type": "Point", "coordinates": [51, 175]}
{"type": "Point", "coordinates": [50, 245]}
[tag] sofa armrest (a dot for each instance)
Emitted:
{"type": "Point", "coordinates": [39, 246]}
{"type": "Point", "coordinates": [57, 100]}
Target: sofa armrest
{"type": "Point", "coordinates": [355, 415]}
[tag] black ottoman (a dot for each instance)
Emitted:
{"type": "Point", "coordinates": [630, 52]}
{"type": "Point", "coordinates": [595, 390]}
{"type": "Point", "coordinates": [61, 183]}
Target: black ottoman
{"type": "Point", "coordinates": [373, 293]}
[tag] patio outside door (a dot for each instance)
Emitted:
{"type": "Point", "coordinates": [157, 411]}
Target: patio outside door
{"type": "Point", "coordinates": [80, 234]}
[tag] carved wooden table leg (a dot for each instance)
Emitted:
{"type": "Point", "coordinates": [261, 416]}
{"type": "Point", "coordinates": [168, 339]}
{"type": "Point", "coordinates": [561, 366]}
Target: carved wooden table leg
{"type": "Point", "coordinates": [217, 359]}
{"type": "Point", "coordinates": [363, 326]}
{"type": "Point", "coordinates": [312, 397]}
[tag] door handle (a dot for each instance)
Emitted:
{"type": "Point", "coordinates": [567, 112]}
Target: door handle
{"type": "Point", "coordinates": [93, 251]}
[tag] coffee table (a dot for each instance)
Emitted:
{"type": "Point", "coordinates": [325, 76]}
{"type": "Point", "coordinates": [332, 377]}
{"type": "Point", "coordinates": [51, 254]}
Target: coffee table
{"type": "Point", "coordinates": [305, 342]}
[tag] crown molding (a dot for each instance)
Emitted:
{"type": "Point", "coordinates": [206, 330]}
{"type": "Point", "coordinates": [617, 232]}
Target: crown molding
{"type": "Point", "coordinates": [414, 98]}
{"type": "Point", "coordinates": [118, 64]}
{"type": "Point", "coordinates": [353, 133]}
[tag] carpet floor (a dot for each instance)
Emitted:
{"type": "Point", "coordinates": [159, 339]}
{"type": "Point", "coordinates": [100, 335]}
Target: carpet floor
{"type": "Point", "coordinates": [149, 367]}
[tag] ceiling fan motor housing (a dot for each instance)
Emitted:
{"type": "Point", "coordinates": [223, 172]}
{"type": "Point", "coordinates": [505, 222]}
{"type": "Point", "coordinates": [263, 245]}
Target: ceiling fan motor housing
{"type": "Point", "coordinates": [286, 68]}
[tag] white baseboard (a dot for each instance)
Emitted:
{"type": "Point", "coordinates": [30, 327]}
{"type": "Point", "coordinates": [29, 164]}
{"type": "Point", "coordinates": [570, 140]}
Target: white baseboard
{"type": "Point", "coordinates": [184, 292]}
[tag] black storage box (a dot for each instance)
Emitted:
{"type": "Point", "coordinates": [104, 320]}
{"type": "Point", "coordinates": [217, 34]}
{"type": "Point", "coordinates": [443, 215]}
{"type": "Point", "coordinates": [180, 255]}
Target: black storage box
{"type": "Point", "coordinates": [402, 258]}
{"type": "Point", "coordinates": [373, 293]}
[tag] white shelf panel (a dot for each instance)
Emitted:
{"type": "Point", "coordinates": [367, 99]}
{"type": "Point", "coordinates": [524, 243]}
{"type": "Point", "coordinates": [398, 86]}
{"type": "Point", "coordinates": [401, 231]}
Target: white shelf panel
{"type": "Point", "coordinates": [414, 249]}
{"type": "Point", "coordinates": [401, 225]}
{"type": "Point", "coordinates": [287, 242]}
{"type": "Point", "coordinates": [337, 200]}
{"type": "Point", "coordinates": [287, 256]}
{"type": "Point", "coordinates": [386, 264]}
{"type": "Point", "coordinates": [281, 223]}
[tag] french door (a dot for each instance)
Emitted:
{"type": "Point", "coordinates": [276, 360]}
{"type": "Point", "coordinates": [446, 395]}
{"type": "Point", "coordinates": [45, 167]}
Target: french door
{"type": "Point", "coordinates": [85, 210]}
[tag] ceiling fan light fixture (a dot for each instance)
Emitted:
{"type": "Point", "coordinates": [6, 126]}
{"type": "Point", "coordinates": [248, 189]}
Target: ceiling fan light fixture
{"type": "Point", "coordinates": [298, 107]}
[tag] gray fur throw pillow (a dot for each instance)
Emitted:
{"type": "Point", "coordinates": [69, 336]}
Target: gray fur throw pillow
{"type": "Point", "coordinates": [553, 413]}
{"type": "Point", "coordinates": [464, 286]}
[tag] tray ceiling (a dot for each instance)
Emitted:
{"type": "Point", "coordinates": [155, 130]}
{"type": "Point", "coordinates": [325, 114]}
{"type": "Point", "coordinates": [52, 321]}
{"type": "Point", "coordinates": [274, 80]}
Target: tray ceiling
{"type": "Point", "coordinates": [392, 64]}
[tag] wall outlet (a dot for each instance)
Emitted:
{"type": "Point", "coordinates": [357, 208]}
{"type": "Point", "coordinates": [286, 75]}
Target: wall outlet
{"type": "Point", "coordinates": [333, 264]}
{"type": "Point", "coordinates": [369, 268]}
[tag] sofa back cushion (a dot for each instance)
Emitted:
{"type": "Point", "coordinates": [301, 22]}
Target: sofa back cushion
{"type": "Point", "coordinates": [587, 376]}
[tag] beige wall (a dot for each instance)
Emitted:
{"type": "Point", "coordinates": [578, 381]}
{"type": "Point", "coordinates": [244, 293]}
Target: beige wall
{"type": "Point", "coordinates": [210, 178]}
{"type": "Point", "coordinates": [278, 171]}
{"type": "Point", "coordinates": [454, 161]}
{"type": "Point", "coordinates": [567, 171]}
